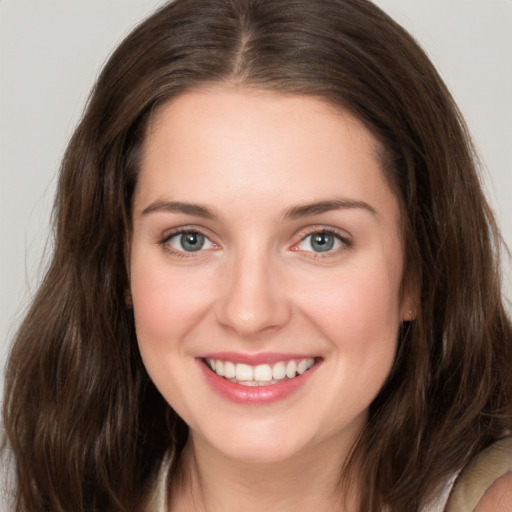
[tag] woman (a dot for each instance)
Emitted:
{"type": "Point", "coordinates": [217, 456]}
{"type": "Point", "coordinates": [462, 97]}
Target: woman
{"type": "Point", "coordinates": [274, 283]}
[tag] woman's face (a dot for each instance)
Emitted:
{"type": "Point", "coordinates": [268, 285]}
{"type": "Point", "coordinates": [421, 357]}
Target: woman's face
{"type": "Point", "coordinates": [266, 245]}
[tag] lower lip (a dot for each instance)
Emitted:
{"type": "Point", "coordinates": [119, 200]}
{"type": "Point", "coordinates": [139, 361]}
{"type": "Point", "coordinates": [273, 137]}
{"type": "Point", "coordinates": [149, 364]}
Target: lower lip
{"type": "Point", "coordinates": [255, 395]}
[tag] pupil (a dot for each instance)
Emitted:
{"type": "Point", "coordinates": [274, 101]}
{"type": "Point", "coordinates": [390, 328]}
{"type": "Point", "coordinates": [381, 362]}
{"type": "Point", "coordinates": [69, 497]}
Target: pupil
{"type": "Point", "coordinates": [322, 242]}
{"type": "Point", "coordinates": [192, 241]}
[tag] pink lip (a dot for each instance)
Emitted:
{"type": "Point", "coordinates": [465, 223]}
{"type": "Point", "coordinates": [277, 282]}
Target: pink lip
{"type": "Point", "coordinates": [255, 359]}
{"type": "Point", "coordinates": [255, 395]}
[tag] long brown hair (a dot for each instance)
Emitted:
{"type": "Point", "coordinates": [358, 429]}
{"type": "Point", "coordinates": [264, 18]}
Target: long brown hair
{"type": "Point", "coordinates": [86, 425]}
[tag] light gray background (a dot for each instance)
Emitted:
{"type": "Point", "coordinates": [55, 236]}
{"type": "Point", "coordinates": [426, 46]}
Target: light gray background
{"type": "Point", "coordinates": [52, 50]}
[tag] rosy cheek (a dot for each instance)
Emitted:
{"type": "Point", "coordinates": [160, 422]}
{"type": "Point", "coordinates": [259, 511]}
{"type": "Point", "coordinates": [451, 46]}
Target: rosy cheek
{"type": "Point", "coordinates": [149, 300]}
{"type": "Point", "coordinates": [360, 302]}
{"type": "Point", "coordinates": [166, 301]}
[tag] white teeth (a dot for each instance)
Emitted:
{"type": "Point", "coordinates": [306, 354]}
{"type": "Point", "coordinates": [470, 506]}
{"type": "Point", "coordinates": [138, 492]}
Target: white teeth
{"type": "Point", "coordinates": [301, 367]}
{"type": "Point", "coordinates": [279, 371]}
{"type": "Point", "coordinates": [229, 370]}
{"type": "Point", "coordinates": [243, 372]}
{"type": "Point", "coordinates": [262, 374]}
{"type": "Point", "coordinates": [219, 368]}
{"type": "Point", "coordinates": [291, 369]}
{"type": "Point", "coordinates": [304, 365]}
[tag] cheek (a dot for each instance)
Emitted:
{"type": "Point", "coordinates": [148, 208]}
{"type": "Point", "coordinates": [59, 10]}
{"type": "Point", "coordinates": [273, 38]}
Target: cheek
{"type": "Point", "coordinates": [167, 307]}
{"type": "Point", "coordinates": [356, 299]}
{"type": "Point", "coordinates": [358, 309]}
{"type": "Point", "coordinates": [166, 304]}
{"type": "Point", "coordinates": [358, 312]}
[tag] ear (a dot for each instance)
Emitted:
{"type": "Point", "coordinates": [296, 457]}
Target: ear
{"type": "Point", "coordinates": [409, 307]}
{"type": "Point", "coordinates": [409, 315]}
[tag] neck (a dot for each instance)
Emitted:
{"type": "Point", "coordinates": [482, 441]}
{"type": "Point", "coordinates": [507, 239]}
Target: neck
{"type": "Point", "coordinates": [206, 481]}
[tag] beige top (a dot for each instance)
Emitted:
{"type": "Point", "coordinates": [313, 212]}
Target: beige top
{"type": "Point", "coordinates": [469, 487]}
{"type": "Point", "coordinates": [483, 471]}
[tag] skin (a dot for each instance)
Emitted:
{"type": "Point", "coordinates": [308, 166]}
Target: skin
{"type": "Point", "coordinates": [258, 286]}
{"type": "Point", "coordinates": [498, 498]}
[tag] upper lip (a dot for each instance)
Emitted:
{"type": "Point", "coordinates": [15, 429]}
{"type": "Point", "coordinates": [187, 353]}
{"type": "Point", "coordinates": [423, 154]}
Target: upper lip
{"type": "Point", "coordinates": [256, 359]}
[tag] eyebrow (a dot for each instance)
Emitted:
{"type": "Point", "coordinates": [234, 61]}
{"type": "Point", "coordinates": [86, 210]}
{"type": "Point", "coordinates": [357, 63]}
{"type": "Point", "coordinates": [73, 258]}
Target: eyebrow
{"type": "Point", "coordinates": [295, 212]}
{"type": "Point", "coordinates": [179, 207]}
{"type": "Point", "coordinates": [316, 208]}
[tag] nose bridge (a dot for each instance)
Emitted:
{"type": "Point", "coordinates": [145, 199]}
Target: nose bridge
{"type": "Point", "coordinates": [253, 298]}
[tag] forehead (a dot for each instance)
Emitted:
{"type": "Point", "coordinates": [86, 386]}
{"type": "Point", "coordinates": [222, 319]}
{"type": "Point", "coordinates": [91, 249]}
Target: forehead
{"type": "Point", "coordinates": [234, 142]}
{"type": "Point", "coordinates": [250, 108]}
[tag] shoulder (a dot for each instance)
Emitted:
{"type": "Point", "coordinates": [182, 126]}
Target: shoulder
{"type": "Point", "coordinates": [498, 497]}
{"type": "Point", "coordinates": [486, 484]}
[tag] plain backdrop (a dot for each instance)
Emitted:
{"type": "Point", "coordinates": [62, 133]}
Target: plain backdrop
{"type": "Point", "coordinates": [51, 52]}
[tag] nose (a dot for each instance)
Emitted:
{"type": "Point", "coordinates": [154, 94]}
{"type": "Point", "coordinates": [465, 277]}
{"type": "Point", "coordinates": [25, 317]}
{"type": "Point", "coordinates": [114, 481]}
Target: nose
{"type": "Point", "coordinates": [253, 299]}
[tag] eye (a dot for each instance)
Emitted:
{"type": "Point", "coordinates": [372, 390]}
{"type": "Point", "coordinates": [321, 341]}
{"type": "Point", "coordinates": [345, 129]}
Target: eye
{"type": "Point", "coordinates": [189, 241]}
{"type": "Point", "coordinates": [321, 241]}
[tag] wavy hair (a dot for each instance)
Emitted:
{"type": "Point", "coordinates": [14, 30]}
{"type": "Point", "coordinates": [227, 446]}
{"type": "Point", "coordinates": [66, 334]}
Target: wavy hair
{"type": "Point", "coordinates": [86, 426]}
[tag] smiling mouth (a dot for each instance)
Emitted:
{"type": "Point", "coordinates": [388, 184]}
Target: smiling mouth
{"type": "Point", "coordinates": [262, 374]}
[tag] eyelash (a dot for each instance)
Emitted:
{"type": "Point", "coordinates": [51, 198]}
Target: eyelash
{"type": "Point", "coordinates": [345, 243]}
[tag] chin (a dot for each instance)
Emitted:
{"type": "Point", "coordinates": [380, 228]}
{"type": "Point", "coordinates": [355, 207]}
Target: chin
{"type": "Point", "coordinates": [258, 445]}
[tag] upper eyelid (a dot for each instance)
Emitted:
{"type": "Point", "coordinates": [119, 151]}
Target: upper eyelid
{"type": "Point", "coordinates": [169, 233]}
{"type": "Point", "coordinates": [311, 230]}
